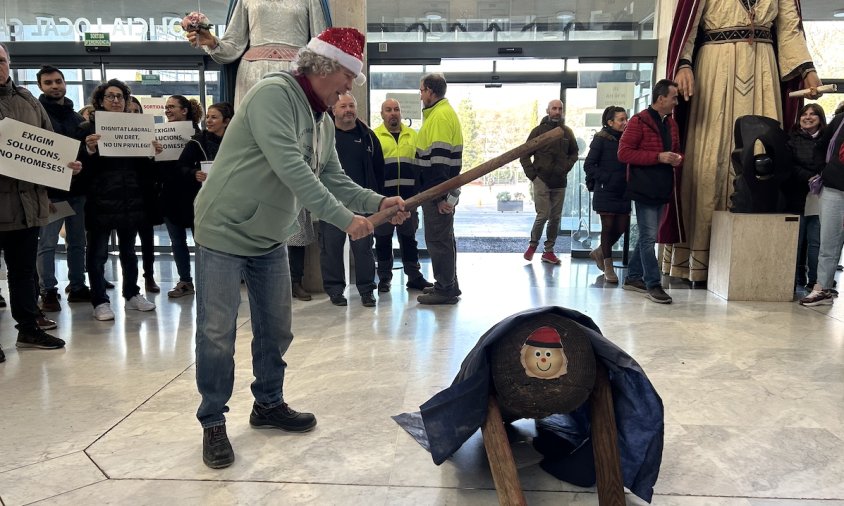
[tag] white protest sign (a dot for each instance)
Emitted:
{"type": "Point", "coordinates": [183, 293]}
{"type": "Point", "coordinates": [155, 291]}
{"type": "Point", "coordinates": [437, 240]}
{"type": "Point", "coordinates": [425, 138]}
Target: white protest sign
{"type": "Point", "coordinates": [152, 105]}
{"type": "Point", "coordinates": [125, 134]}
{"type": "Point", "coordinates": [36, 155]}
{"type": "Point", "coordinates": [173, 136]}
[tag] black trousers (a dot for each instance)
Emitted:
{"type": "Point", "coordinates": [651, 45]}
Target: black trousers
{"type": "Point", "coordinates": [331, 242]}
{"type": "Point", "coordinates": [97, 255]}
{"type": "Point", "coordinates": [20, 248]}
{"type": "Point", "coordinates": [408, 248]}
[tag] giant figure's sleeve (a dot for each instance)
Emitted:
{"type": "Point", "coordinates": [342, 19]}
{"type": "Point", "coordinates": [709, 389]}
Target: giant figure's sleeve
{"type": "Point", "coordinates": [792, 53]}
{"type": "Point", "coordinates": [234, 42]}
{"type": "Point", "coordinates": [318, 18]}
{"type": "Point", "coordinates": [694, 22]}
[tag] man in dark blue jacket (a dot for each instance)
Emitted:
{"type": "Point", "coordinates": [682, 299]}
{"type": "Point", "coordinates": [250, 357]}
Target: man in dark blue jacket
{"type": "Point", "coordinates": [363, 161]}
{"type": "Point", "coordinates": [66, 121]}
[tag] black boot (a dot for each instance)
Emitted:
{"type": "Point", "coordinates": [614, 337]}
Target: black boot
{"type": "Point", "coordinates": [217, 452]}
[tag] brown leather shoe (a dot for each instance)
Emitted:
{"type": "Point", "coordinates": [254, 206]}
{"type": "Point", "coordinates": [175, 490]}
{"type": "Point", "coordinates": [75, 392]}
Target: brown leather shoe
{"type": "Point", "coordinates": [151, 286]}
{"type": "Point", "coordinates": [300, 293]}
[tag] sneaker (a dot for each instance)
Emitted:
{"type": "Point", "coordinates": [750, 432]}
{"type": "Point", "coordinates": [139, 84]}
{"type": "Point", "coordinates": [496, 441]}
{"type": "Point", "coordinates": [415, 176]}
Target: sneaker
{"type": "Point", "coordinates": [140, 303]}
{"type": "Point", "coordinates": [217, 452]}
{"type": "Point", "coordinates": [529, 253]}
{"type": "Point", "coordinates": [108, 284]}
{"type": "Point", "coordinates": [339, 300]}
{"type": "Point", "coordinates": [50, 301]}
{"type": "Point", "coordinates": [367, 299]}
{"type": "Point", "coordinates": [419, 283]}
{"type": "Point", "coordinates": [658, 295]}
{"type": "Point", "coordinates": [300, 293]}
{"type": "Point", "coordinates": [81, 295]}
{"type": "Point", "coordinates": [434, 298]}
{"type": "Point", "coordinates": [182, 288]}
{"type": "Point", "coordinates": [38, 339]}
{"type": "Point", "coordinates": [2, 355]}
{"type": "Point", "coordinates": [384, 285]}
{"type": "Point", "coordinates": [817, 298]}
{"type": "Point", "coordinates": [45, 323]}
{"type": "Point", "coordinates": [151, 286]}
{"type": "Point", "coordinates": [634, 285]}
{"type": "Point", "coordinates": [598, 256]}
{"type": "Point", "coordinates": [103, 312]}
{"type": "Point", "coordinates": [550, 258]}
{"type": "Point", "coordinates": [833, 293]}
{"type": "Point", "coordinates": [281, 417]}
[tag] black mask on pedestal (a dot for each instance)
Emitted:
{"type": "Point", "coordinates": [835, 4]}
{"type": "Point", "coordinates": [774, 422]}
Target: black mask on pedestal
{"type": "Point", "coordinates": [759, 177]}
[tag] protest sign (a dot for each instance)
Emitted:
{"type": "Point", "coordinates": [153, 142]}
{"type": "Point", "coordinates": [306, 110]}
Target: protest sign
{"type": "Point", "coordinates": [173, 136]}
{"type": "Point", "coordinates": [125, 134]}
{"type": "Point", "coordinates": [36, 155]}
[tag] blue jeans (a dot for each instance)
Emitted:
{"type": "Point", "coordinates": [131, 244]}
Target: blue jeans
{"type": "Point", "coordinates": [179, 246]}
{"type": "Point", "coordinates": [643, 264]}
{"type": "Point", "coordinates": [75, 245]}
{"type": "Point", "coordinates": [218, 278]}
{"type": "Point", "coordinates": [832, 234]}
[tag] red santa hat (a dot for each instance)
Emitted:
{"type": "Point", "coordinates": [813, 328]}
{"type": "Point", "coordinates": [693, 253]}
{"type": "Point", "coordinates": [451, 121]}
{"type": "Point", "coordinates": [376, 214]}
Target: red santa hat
{"type": "Point", "coordinates": [544, 337]}
{"type": "Point", "coordinates": [343, 45]}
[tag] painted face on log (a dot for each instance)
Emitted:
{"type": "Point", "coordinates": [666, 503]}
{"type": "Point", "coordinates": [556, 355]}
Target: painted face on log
{"type": "Point", "coordinates": [543, 356]}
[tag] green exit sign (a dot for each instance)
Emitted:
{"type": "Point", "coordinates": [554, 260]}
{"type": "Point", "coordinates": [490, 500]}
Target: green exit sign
{"type": "Point", "coordinates": [150, 79]}
{"type": "Point", "coordinates": [96, 42]}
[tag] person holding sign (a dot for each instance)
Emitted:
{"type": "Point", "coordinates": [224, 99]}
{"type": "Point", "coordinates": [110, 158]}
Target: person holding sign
{"type": "Point", "coordinates": [115, 202]}
{"type": "Point", "coordinates": [177, 189]}
{"type": "Point", "coordinates": [24, 209]}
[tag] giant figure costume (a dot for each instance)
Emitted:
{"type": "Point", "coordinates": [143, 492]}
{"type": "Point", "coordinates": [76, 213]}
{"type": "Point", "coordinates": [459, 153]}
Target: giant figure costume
{"type": "Point", "coordinates": [263, 36]}
{"type": "Point", "coordinates": [739, 51]}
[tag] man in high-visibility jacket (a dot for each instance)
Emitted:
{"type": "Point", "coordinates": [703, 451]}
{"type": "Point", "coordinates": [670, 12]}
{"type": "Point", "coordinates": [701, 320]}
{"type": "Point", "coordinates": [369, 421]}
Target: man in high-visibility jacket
{"type": "Point", "coordinates": [439, 153]}
{"type": "Point", "coordinates": [398, 143]}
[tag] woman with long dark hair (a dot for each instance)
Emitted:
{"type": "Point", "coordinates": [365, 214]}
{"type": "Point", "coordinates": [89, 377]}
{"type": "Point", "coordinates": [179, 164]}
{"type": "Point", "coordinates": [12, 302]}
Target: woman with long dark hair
{"type": "Point", "coordinates": [610, 182]}
{"type": "Point", "coordinates": [177, 194]}
{"type": "Point", "coordinates": [804, 136]}
{"type": "Point", "coordinates": [202, 147]}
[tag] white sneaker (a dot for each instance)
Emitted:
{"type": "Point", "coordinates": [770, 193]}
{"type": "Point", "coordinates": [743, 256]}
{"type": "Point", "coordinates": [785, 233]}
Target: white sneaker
{"type": "Point", "coordinates": [140, 303]}
{"type": "Point", "coordinates": [103, 312]}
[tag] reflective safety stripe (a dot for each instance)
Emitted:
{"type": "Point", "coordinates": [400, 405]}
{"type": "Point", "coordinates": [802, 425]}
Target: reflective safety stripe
{"type": "Point", "coordinates": [399, 182]}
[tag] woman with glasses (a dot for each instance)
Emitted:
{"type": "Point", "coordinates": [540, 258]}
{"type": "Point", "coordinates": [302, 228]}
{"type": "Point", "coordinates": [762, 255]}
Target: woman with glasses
{"type": "Point", "coordinates": [114, 202]}
{"type": "Point", "coordinates": [177, 194]}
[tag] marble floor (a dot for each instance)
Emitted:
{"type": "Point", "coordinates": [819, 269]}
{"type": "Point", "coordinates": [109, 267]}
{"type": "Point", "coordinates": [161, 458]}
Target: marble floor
{"type": "Point", "coordinates": [753, 394]}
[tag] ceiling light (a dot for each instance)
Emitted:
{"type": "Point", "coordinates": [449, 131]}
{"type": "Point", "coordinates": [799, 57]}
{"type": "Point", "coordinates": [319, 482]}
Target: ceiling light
{"type": "Point", "coordinates": [839, 13]}
{"type": "Point", "coordinates": [433, 16]}
{"type": "Point", "coordinates": [565, 15]}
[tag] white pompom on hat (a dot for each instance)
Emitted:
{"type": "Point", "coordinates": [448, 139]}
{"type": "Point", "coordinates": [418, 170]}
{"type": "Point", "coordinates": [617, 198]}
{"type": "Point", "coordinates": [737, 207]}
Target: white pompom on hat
{"type": "Point", "coordinates": [343, 45]}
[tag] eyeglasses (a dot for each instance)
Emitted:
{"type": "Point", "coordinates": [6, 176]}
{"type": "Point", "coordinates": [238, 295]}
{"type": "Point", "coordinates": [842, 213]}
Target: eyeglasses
{"type": "Point", "coordinates": [113, 98]}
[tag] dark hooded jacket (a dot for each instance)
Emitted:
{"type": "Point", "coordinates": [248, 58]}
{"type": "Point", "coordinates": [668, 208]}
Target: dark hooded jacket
{"type": "Point", "coordinates": [552, 162]}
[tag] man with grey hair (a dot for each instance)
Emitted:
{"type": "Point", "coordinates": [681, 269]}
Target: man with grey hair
{"type": "Point", "coordinates": [277, 156]}
{"type": "Point", "coordinates": [24, 209]}
{"type": "Point", "coordinates": [439, 153]}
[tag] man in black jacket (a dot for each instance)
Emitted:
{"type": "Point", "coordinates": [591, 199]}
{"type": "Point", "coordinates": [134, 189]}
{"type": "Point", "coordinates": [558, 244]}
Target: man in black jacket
{"type": "Point", "coordinates": [361, 157]}
{"type": "Point", "coordinates": [66, 121]}
{"type": "Point", "coordinates": [548, 169]}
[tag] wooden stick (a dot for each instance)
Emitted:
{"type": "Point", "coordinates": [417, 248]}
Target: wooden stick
{"type": "Point", "coordinates": [470, 175]}
{"type": "Point", "coordinates": [605, 441]}
{"type": "Point", "coordinates": [500, 456]}
{"type": "Point", "coordinates": [826, 88]}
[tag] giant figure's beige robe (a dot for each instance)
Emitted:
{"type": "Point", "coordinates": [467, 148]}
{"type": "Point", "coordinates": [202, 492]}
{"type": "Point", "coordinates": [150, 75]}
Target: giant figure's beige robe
{"type": "Point", "coordinates": [732, 79]}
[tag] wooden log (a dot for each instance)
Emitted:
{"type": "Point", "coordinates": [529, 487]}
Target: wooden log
{"type": "Point", "coordinates": [500, 456]}
{"type": "Point", "coordinates": [470, 175]}
{"type": "Point", "coordinates": [605, 442]}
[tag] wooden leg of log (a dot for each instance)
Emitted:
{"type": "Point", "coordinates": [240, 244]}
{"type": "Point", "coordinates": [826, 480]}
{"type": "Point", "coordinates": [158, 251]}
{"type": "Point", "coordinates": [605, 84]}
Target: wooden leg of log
{"type": "Point", "coordinates": [500, 456]}
{"type": "Point", "coordinates": [605, 442]}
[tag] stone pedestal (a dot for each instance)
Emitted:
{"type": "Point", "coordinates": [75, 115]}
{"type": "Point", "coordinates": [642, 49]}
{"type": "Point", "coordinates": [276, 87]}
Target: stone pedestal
{"type": "Point", "coordinates": [753, 256]}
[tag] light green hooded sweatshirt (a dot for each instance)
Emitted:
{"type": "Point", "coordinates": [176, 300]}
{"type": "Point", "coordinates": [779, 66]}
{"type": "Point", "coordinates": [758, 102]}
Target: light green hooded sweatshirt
{"type": "Point", "coordinates": [265, 172]}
